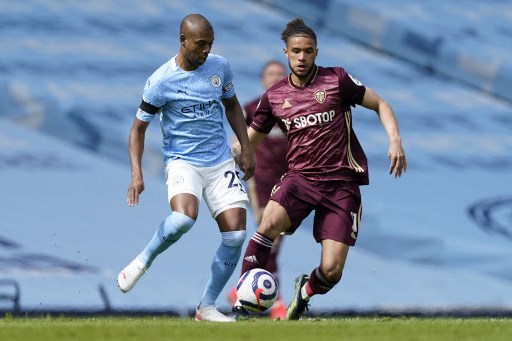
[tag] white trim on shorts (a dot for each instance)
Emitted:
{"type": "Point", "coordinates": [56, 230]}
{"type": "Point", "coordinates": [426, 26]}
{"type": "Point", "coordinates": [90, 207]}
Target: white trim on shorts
{"type": "Point", "coordinates": [219, 185]}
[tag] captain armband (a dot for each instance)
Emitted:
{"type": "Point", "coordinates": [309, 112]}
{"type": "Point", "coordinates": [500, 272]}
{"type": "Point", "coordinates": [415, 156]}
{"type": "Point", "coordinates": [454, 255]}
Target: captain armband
{"type": "Point", "coordinates": [146, 111]}
{"type": "Point", "coordinates": [227, 88]}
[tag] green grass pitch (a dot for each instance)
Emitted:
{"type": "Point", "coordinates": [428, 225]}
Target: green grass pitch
{"type": "Point", "coordinates": [332, 329]}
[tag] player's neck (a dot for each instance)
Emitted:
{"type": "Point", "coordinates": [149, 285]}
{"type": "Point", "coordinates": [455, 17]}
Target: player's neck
{"type": "Point", "coordinates": [184, 64]}
{"type": "Point", "coordinates": [302, 81]}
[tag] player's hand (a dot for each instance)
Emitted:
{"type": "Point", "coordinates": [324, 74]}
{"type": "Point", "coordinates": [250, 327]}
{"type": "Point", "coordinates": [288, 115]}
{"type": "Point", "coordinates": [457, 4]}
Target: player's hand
{"type": "Point", "coordinates": [236, 150]}
{"type": "Point", "coordinates": [396, 156]}
{"type": "Point", "coordinates": [247, 163]}
{"type": "Point", "coordinates": [135, 188]}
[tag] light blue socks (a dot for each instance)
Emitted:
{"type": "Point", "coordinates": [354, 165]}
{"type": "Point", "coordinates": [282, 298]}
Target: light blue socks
{"type": "Point", "coordinates": [223, 265]}
{"type": "Point", "coordinates": [169, 231]}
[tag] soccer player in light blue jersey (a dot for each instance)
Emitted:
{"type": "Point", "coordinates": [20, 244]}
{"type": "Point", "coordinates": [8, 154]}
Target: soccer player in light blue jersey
{"type": "Point", "coordinates": [192, 92]}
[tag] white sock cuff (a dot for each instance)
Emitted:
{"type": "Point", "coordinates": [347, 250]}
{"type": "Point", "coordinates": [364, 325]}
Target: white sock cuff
{"type": "Point", "coordinates": [261, 239]}
{"type": "Point", "coordinates": [234, 238]}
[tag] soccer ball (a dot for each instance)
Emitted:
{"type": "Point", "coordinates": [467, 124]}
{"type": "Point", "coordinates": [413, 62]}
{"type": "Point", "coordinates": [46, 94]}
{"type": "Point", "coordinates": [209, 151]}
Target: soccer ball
{"type": "Point", "coordinates": [257, 290]}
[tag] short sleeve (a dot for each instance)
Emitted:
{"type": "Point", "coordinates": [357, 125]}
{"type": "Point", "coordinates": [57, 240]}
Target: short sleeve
{"type": "Point", "coordinates": [150, 99]}
{"type": "Point", "coordinates": [263, 121]}
{"type": "Point", "coordinates": [146, 111]}
{"type": "Point", "coordinates": [144, 116]}
{"type": "Point", "coordinates": [153, 94]}
{"type": "Point", "coordinates": [228, 89]}
{"type": "Point", "coordinates": [351, 90]}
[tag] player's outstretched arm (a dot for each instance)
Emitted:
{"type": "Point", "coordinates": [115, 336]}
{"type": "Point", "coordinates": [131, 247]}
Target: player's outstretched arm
{"type": "Point", "coordinates": [254, 139]}
{"type": "Point", "coordinates": [235, 116]}
{"type": "Point", "coordinates": [396, 154]}
{"type": "Point", "coordinates": [135, 150]}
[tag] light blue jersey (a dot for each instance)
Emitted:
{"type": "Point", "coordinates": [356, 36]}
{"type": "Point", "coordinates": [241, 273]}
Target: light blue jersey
{"type": "Point", "coordinates": [192, 117]}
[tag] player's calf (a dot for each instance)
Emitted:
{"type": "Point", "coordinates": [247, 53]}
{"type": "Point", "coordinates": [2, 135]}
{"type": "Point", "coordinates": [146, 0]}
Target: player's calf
{"type": "Point", "coordinates": [257, 252]}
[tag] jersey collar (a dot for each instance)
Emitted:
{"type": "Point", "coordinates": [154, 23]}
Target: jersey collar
{"type": "Point", "coordinates": [174, 66]}
{"type": "Point", "coordinates": [315, 72]}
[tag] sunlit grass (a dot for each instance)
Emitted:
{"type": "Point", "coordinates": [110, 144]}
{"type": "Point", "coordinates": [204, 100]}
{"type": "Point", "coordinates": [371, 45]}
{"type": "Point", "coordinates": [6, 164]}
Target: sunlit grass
{"type": "Point", "coordinates": [163, 328]}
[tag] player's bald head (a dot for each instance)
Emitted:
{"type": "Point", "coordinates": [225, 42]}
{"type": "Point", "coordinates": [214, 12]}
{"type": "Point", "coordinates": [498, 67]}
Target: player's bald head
{"type": "Point", "coordinates": [196, 40]}
{"type": "Point", "coordinates": [194, 23]}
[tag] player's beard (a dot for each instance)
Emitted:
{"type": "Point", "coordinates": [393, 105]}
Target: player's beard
{"type": "Point", "coordinates": [194, 61]}
{"type": "Point", "coordinates": [306, 76]}
{"type": "Point", "coordinates": [197, 62]}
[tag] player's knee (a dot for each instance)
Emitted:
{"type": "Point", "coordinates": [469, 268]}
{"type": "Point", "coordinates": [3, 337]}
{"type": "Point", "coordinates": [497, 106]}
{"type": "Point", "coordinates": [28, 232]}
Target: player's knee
{"type": "Point", "coordinates": [175, 226]}
{"type": "Point", "coordinates": [272, 226]}
{"type": "Point", "coordinates": [181, 222]}
{"type": "Point", "coordinates": [234, 238]}
{"type": "Point", "coordinates": [269, 229]}
{"type": "Point", "coordinates": [332, 274]}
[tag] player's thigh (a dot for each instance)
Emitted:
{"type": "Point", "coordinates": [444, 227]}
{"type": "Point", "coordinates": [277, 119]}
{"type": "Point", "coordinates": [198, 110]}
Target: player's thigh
{"type": "Point", "coordinates": [275, 220]}
{"type": "Point", "coordinates": [224, 189]}
{"type": "Point", "coordinates": [184, 187]}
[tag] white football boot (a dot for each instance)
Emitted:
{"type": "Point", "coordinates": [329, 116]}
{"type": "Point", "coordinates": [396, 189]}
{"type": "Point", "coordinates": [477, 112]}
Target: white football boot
{"type": "Point", "coordinates": [210, 313]}
{"type": "Point", "coordinates": [129, 276]}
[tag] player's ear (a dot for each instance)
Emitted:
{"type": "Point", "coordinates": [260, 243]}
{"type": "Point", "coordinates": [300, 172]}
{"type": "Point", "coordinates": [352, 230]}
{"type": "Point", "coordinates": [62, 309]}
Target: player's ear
{"type": "Point", "coordinates": [183, 39]}
{"type": "Point", "coordinates": [285, 51]}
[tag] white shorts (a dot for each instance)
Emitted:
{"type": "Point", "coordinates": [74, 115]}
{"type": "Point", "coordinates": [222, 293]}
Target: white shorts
{"type": "Point", "coordinates": [220, 185]}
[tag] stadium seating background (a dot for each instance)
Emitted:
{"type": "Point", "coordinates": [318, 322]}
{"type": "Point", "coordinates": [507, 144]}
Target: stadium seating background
{"type": "Point", "coordinates": [71, 76]}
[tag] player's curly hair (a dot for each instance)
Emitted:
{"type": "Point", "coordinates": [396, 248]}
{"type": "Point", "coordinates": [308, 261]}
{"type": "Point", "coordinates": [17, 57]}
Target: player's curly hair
{"type": "Point", "coordinates": [295, 28]}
